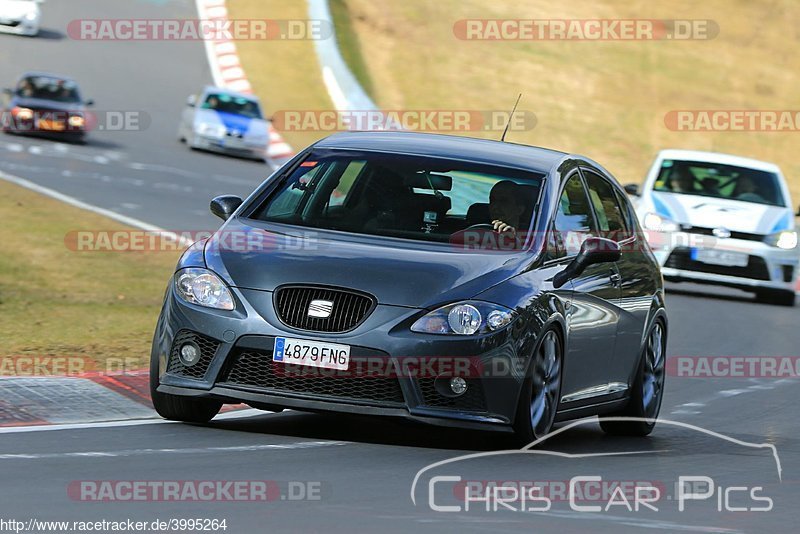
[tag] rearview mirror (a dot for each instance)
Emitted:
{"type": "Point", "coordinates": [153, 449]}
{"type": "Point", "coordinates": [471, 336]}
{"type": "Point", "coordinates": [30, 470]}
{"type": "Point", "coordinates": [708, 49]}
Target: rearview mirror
{"type": "Point", "coordinates": [594, 250]}
{"type": "Point", "coordinates": [632, 189]}
{"type": "Point", "coordinates": [224, 206]}
{"type": "Point", "coordinates": [191, 101]}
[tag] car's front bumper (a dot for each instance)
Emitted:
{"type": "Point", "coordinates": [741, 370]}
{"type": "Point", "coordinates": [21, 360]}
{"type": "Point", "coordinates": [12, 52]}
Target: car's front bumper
{"type": "Point", "coordinates": [230, 146]}
{"type": "Point", "coordinates": [768, 267]}
{"type": "Point", "coordinates": [25, 27]}
{"type": "Point", "coordinates": [237, 365]}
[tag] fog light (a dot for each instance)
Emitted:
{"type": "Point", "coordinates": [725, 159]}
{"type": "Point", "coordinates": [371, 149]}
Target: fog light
{"type": "Point", "coordinates": [190, 354]}
{"type": "Point", "coordinates": [458, 385]}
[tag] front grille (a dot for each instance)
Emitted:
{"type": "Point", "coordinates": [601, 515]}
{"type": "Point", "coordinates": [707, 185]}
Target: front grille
{"type": "Point", "coordinates": [710, 231]}
{"type": "Point", "coordinates": [471, 400]}
{"type": "Point", "coordinates": [208, 347]}
{"type": "Point", "coordinates": [253, 368]}
{"type": "Point", "coordinates": [755, 269]}
{"type": "Point", "coordinates": [349, 308]}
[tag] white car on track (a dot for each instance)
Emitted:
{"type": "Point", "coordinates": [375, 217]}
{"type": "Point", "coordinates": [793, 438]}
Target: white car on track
{"type": "Point", "coordinates": [22, 17]}
{"type": "Point", "coordinates": [224, 121]}
{"type": "Point", "coordinates": [720, 219]}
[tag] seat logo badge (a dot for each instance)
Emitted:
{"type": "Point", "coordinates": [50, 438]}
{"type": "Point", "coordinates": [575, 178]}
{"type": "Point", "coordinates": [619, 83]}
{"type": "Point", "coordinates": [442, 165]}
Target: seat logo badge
{"type": "Point", "coordinates": [722, 233]}
{"type": "Point", "coordinates": [320, 308]}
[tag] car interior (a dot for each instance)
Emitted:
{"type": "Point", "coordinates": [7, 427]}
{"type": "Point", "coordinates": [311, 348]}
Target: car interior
{"type": "Point", "coordinates": [405, 201]}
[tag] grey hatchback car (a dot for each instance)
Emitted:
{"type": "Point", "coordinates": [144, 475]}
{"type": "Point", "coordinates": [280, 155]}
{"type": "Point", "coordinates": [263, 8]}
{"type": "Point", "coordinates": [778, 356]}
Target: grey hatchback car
{"type": "Point", "coordinates": [444, 279]}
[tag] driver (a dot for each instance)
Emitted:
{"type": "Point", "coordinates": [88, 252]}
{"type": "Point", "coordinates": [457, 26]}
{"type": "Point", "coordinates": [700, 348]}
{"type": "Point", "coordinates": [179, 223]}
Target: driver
{"type": "Point", "coordinates": [682, 181]}
{"type": "Point", "coordinates": [505, 207]}
{"type": "Point", "coordinates": [749, 190]}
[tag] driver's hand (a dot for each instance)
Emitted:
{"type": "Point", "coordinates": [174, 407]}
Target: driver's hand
{"type": "Point", "coordinates": [501, 227]}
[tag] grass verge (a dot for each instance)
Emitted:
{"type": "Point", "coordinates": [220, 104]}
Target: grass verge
{"type": "Point", "coordinates": [58, 302]}
{"type": "Point", "coordinates": [605, 99]}
{"type": "Point", "coordinates": [285, 74]}
{"type": "Point", "coordinates": [349, 45]}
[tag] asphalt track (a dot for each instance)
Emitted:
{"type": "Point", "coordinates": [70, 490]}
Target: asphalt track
{"type": "Point", "coordinates": [364, 467]}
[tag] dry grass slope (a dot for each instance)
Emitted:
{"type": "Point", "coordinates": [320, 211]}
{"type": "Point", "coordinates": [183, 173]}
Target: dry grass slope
{"type": "Point", "coordinates": [603, 99]}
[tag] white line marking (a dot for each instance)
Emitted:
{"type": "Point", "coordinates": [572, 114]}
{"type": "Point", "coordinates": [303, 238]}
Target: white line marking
{"type": "Point", "coordinates": [130, 422]}
{"type": "Point", "coordinates": [182, 450]}
{"type": "Point", "coordinates": [124, 219]}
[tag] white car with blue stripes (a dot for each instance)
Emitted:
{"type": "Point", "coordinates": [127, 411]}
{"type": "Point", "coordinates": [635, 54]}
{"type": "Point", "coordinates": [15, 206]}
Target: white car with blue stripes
{"type": "Point", "coordinates": [721, 219]}
{"type": "Point", "coordinates": [221, 120]}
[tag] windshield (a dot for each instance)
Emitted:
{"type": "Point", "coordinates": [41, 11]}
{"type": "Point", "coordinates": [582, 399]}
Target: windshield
{"type": "Point", "coordinates": [234, 105]}
{"type": "Point", "coordinates": [719, 181]}
{"type": "Point", "coordinates": [48, 88]}
{"type": "Point", "coordinates": [412, 197]}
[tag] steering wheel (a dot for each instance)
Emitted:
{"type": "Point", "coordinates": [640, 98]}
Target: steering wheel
{"type": "Point", "coordinates": [481, 226]}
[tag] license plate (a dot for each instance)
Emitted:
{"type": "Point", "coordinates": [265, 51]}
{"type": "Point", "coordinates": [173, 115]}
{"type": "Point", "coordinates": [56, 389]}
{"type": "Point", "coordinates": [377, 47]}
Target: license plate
{"type": "Point", "coordinates": [47, 124]}
{"type": "Point", "coordinates": [720, 257]}
{"type": "Point", "coordinates": [311, 353]}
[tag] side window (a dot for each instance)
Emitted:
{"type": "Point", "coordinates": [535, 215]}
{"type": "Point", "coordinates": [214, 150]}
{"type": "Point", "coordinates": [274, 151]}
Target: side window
{"type": "Point", "coordinates": [573, 222]}
{"type": "Point", "coordinates": [287, 203]}
{"type": "Point", "coordinates": [346, 182]}
{"type": "Point", "coordinates": [610, 219]}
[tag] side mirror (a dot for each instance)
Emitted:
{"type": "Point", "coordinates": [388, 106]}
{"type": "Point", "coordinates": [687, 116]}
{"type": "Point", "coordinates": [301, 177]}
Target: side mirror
{"type": "Point", "coordinates": [798, 212]}
{"type": "Point", "coordinates": [594, 250]}
{"type": "Point", "coordinates": [89, 102]}
{"type": "Point", "coordinates": [632, 189]}
{"type": "Point", "coordinates": [191, 101]}
{"type": "Point", "coordinates": [224, 206]}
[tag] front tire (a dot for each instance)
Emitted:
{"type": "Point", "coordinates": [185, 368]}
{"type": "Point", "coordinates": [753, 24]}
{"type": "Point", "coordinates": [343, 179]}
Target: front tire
{"type": "Point", "coordinates": [541, 390]}
{"type": "Point", "coordinates": [648, 389]}
{"type": "Point", "coordinates": [176, 407]}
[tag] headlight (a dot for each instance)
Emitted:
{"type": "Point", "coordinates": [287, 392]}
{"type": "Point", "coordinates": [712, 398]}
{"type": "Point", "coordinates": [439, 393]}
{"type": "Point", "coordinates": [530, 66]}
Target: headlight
{"type": "Point", "coordinates": [654, 221]}
{"type": "Point", "coordinates": [464, 318]}
{"type": "Point", "coordinates": [786, 239]}
{"type": "Point", "coordinates": [204, 288]}
{"type": "Point", "coordinates": [76, 121]}
{"type": "Point", "coordinates": [24, 114]}
{"type": "Point", "coordinates": [211, 130]}
{"type": "Point", "coordinates": [30, 16]}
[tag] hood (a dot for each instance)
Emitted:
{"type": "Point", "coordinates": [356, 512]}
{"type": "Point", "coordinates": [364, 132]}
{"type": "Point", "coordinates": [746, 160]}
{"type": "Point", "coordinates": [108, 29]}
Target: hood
{"type": "Point", "coordinates": [735, 215]}
{"type": "Point", "coordinates": [232, 122]}
{"type": "Point", "coordinates": [43, 104]}
{"type": "Point", "coordinates": [17, 9]}
{"type": "Point", "coordinates": [402, 274]}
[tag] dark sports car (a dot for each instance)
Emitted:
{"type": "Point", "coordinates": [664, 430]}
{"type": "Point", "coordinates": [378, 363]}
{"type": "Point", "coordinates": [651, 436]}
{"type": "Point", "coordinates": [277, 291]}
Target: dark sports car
{"type": "Point", "coordinates": [444, 279]}
{"type": "Point", "coordinates": [46, 105]}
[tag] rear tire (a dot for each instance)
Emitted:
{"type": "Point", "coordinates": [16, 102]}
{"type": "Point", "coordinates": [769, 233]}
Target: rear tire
{"type": "Point", "coordinates": [778, 297]}
{"type": "Point", "coordinates": [648, 389]}
{"type": "Point", "coordinates": [541, 390]}
{"type": "Point", "coordinates": [179, 408]}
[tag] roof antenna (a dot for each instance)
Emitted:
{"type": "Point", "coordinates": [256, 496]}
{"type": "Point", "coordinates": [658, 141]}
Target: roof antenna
{"type": "Point", "coordinates": [503, 137]}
